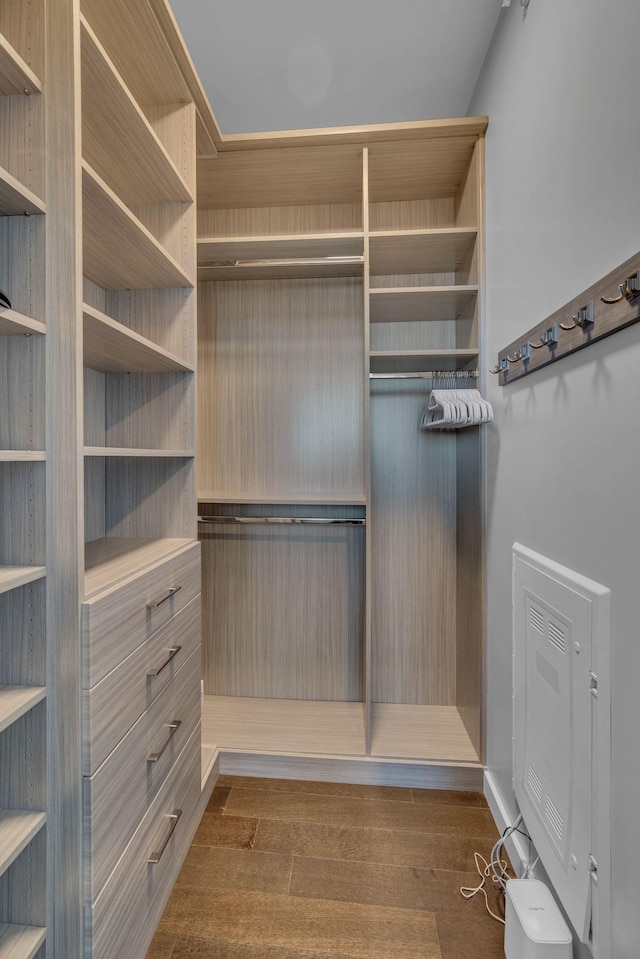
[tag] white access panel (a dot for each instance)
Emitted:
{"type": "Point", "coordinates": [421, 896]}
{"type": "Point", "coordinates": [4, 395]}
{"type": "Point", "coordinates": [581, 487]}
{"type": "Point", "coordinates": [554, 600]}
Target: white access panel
{"type": "Point", "coordinates": [559, 619]}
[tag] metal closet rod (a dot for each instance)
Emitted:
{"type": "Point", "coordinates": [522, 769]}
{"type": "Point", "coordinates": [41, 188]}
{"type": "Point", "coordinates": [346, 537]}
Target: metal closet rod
{"type": "Point", "coordinates": [283, 520]}
{"type": "Point", "coordinates": [427, 375]}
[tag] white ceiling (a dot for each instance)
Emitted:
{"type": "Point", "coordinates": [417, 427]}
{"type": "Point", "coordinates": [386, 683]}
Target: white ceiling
{"type": "Point", "coordinates": [293, 64]}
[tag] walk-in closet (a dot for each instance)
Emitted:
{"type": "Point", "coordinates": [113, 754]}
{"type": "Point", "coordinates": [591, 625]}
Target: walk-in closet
{"type": "Point", "coordinates": [339, 277]}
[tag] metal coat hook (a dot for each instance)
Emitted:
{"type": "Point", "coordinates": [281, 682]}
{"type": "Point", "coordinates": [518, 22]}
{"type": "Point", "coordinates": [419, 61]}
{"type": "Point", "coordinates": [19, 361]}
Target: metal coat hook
{"type": "Point", "coordinates": [549, 338]}
{"type": "Point", "coordinates": [583, 318]}
{"type": "Point", "coordinates": [500, 367]}
{"type": "Point", "coordinates": [630, 288]}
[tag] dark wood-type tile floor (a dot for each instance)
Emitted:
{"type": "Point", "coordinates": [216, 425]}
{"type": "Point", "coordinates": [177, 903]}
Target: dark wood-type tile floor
{"type": "Point", "coordinates": [298, 870]}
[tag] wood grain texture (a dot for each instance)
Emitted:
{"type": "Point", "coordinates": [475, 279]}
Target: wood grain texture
{"type": "Point", "coordinates": [166, 317]}
{"type": "Point", "coordinates": [275, 221]}
{"type": "Point", "coordinates": [22, 23]}
{"type": "Point", "coordinates": [223, 868]}
{"type": "Point", "coordinates": [112, 560]}
{"type": "Point", "coordinates": [23, 894]}
{"type": "Point", "coordinates": [16, 76]}
{"type": "Point", "coordinates": [112, 348]}
{"type": "Point", "coordinates": [16, 199]}
{"type": "Point", "coordinates": [280, 404]}
{"type": "Point", "coordinates": [13, 323]}
{"type": "Point", "coordinates": [22, 534]}
{"type": "Point", "coordinates": [135, 164]}
{"type": "Point", "coordinates": [118, 794]}
{"type": "Point", "coordinates": [15, 701]}
{"type": "Point", "coordinates": [402, 304]}
{"type": "Point", "coordinates": [17, 829]}
{"type": "Point", "coordinates": [420, 732]}
{"type": "Point", "coordinates": [419, 251]}
{"type": "Point", "coordinates": [20, 942]}
{"type": "Point", "coordinates": [12, 577]}
{"type": "Point", "coordinates": [113, 705]}
{"type": "Point", "coordinates": [22, 392]}
{"type": "Point", "coordinates": [424, 214]}
{"type": "Point", "coordinates": [282, 614]}
{"type": "Point", "coordinates": [22, 258]}
{"type": "Point", "coordinates": [119, 251]}
{"type": "Point", "coordinates": [421, 169]}
{"type": "Point", "coordinates": [217, 256]}
{"type": "Point", "coordinates": [287, 726]}
{"type": "Point", "coordinates": [287, 177]}
{"type": "Point", "coordinates": [414, 558]}
{"type": "Point", "coordinates": [21, 149]}
{"type": "Point", "coordinates": [150, 497]}
{"type": "Point", "coordinates": [117, 620]}
{"type": "Point", "coordinates": [23, 637]}
{"type": "Point", "coordinates": [399, 794]}
{"type": "Point", "coordinates": [411, 361]}
{"type": "Point", "coordinates": [234, 832]}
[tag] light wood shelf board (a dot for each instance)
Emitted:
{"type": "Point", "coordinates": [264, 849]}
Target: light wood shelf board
{"type": "Point", "coordinates": [17, 199]}
{"type": "Point", "coordinates": [22, 456]}
{"type": "Point", "coordinates": [418, 169]}
{"type": "Point", "coordinates": [420, 732]}
{"type": "Point", "coordinates": [15, 701]}
{"type": "Point", "coordinates": [275, 499]}
{"type": "Point", "coordinates": [17, 829]}
{"type": "Point", "coordinates": [137, 452]}
{"type": "Point", "coordinates": [20, 942]}
{"type": "Point", "coordinates": [272, 271]}
{"type": "Point", "coordinates": [283, 725]}
{"type": "Point", "coordinates": [210, 757]}
{"type": "Point", "coordinates": [13, 323]}
{"type": "Point", "coordinates": [16, 76]}
{"type": "Point", "coordinates": [406, 304]}
{"type": "Point", "coordinates": [217, 254]}
{"type": "Point", "coordinates": [12, 577]}
{"type": "Point", "coordinates": [112, 559]}
{"type": "Point", "coordinates": [119, 252]}
{"type": "Point", "coordinates": [411, 361]}
{"type": "Point", "coordinates": [110, 347]}
{"type": "Point", "coordinates": [144, 171]}
{"type": "Point", "coordinates": [419, 251]}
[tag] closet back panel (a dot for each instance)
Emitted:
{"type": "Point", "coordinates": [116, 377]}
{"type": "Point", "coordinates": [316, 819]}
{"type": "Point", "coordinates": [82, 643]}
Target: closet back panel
{"type": "Point", "coordinates": [413, 530]}
{"type": "Point", "coordinates": [280, 399]}
{"type": "Point", "coordinates": [22, 644]}
{"type": "Point", "coordinates": [283, 611]}
{"type": "Point", "coordinates": [281, 220]}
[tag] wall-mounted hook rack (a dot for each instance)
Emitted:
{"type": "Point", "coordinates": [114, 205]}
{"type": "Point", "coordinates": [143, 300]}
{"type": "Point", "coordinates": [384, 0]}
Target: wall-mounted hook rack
{"type": "Point", "coordinates": [587, 318]}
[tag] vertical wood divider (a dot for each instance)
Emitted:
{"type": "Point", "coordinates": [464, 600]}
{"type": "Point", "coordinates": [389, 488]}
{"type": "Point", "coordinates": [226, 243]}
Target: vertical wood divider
{"type": "Point", "coordinates": [64, 487]}
{"type": "Point", "coordinates": [367, 456]}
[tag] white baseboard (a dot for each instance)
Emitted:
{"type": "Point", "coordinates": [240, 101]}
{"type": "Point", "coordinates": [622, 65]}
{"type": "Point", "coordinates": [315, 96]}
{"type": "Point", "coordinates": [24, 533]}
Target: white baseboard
{"type": "Point", "coordinates": [516, 845]}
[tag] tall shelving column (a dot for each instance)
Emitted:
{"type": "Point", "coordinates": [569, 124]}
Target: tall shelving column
{"type": "Point", "coordinates": [23, 633]}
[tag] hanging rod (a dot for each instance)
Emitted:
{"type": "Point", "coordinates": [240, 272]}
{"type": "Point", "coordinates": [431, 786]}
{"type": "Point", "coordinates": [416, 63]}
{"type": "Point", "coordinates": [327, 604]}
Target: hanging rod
{"type": "Point", "coordinates": [283, 520]}
{"type": "Point", "coordinates": [427, 375]}
{"type": "Point", "coordinates": [287, 261]}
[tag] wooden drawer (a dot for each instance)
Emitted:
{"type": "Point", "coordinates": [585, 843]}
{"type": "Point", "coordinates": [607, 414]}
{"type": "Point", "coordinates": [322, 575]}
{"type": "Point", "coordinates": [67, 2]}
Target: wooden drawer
{"type": "Point", "coordinates": [120, 923]}
{"type": "Point", "coordinates": [112, 706]}
{"type": "Point", "coordinates": [119, 793]}
{"type": "Point", "coordinates": [117, 620]}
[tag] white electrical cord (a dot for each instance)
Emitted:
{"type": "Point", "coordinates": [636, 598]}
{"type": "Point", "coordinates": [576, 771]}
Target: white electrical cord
{"type": "Point", "coordinates": [495, 869]}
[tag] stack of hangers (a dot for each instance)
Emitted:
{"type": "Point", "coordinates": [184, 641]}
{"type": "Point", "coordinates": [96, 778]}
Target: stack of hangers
{"type": "Point", "coordinates": [454, 409]}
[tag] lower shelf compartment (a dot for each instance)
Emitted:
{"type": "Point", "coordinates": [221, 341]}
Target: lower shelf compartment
{"type": "Point", "coordinates": [20, 942]}
{"type": "Point", "coordinates": [404, 733]}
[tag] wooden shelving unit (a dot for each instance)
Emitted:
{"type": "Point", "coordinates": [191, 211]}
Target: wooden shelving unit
{"type": "Point", "coordinates": [12, 577]}
{"type": "Point", "coordinates": [13, 323]}
{"type": "Point", "coordinates": [268, 499]}
{"type": "Point", "coordinates": [418, 361]}
{"type": "Point", "coordinates": [110, 347]}
{"type": "Point", "coordinates": [19, 941]}
{"type": "Point", "coordinates": [419, 251]}
{"type": "Point", "coordinates": [15, 701]}
{"type": "Point", "coordinates": [16, 76]}
{"type": "Point", "coordinates": [16, 199]}
{"type": "Point", "coordinates": [22, 456]}
{"type": "Point", "coordinates": [246, 258]}
{"type": "Point", "coordinates": [109, 451]}
{"type": "Point", "coordinates": [17, 829]}
{"type": "Point", "coordinates": [402, 304]}
{"type": "Point", "coordinates": [119, 252]}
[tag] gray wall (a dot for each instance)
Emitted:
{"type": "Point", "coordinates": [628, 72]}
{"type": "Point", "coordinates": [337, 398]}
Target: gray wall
{"type": "Point", "coordinates": [561, 89]}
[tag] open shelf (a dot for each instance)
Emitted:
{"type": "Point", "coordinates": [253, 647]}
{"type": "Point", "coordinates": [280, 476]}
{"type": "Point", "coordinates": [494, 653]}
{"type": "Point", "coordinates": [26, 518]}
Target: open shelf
{"type": "Point", "coordinates": [11, 577]}
{"type": "Point", "coordinates": [310, 727]}
{"type": "Point", "coordinates": [110, 347]}
{"type": "Point", "coordinates": [111, 559]}
{"type": "Point", "coordinates": [118, 250]}
{"type": "Point", "coordinates": [22, 456]}
{"type": "Point", "coordinates": [20, 942]}
{"type": "Point", "coordinates": [15, 701]}
{"type": "Point", "coordinates": [419, 251]}
{"type": "Point", "coordinates": [16, 76]}
{"type": "Point", "coordinates": [135, 162]}
{"type": "Point", "coordinates": [17, 199]}
{"type": "Point", "coordinates": [17, 829]}
{"type": "Point", "coordinates": [13, 323]}
{"type": "Point", "coordinates": [284, 499]}
{"type": "Point", "coordinates": [404, 304]}
{"type": "Point", "coordinates": [434, 733]}
{"type": "Point", "coordinates": [218, 256]}
{"type": "Point", "coordinates": [418, 361]}
{"type": "Point", "coordinates": [137, 452]}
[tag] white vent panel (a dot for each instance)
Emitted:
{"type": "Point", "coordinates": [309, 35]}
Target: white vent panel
{"type": "Point", "coordinates": [554, 612]}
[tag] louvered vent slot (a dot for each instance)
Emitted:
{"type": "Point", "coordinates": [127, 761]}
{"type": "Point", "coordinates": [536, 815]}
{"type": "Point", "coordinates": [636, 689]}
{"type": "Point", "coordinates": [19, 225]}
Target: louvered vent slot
{"type": "Point", "coordinates": [557, 637]}
{"type": "Point", "coordinates": [536, 619]}
{"type": "Point", "coordinates": [554, 817]}
{"type": "Point", "coordinates": [534, 783]}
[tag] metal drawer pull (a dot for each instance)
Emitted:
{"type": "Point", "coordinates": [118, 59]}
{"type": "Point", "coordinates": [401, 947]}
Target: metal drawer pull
{"type": "Point", "coordinates": [173, 652]}
{"type": "Point", "coordinates": [172, 590]}
{"type": "Point", "coordinates": [155, 857]}
{"type": "Point", "coordinates": [174, 727]}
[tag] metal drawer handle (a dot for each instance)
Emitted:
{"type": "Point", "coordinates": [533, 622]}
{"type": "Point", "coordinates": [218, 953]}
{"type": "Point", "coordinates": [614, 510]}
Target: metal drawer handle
{"type": "Point", "coordinates": [171, 591]}
{"type": "Point", "coordinates": [173, 652]}
{"type": "Point", "coordinates": [155, 857]}
{"type": "Point", "coordinates": [174, 727]}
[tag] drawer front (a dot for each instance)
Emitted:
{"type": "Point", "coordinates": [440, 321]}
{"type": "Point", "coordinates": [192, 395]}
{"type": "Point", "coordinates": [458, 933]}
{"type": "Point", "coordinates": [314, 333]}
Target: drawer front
{"type": "Point", "coordinates": [120, 792]}
{"type": "Point", "coordinates": [122, 920]}
{"type": "Point", "coordinates": [112, 706]}
{"type": "Point", "coordinates": [119, 619]}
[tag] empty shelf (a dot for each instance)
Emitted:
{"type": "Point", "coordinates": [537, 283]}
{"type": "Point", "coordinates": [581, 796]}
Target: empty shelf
{"type": "Point", "coordinates": [404, 304]}
{"type": "Point", "coordinates": [419, 251]}
{"type": "Point", "coordinates": [17, 199]}
{"type": "Point", "coordinates": [273, 257]}
{"type": "Point", "coordinates": [114, 558]}
{"type": "Point", "coordinates": [434, 733]}
{"type": "Point", "coordinates": [16, 76]}
{"type": "Point", "coordinates": [13, 323]}
{"type": "Point", "coordinates": [20, 942]}
{"type": "Point", "coordinates": [11, 577]}
{"type": "Point", "coordinates": [137, 452]}
{"type": "Point", "coordinates": [15, 701]}
{"type": "Point", "coordinates": [119, 251]}
{"type": "Point", "coordinates": [411, 361]}
{"type": "Point", "coordinates": [17, 829]}
{"type": "Point", "coordinates": [22, 456]}
{"type": "Point", "coordinates": [110, 347]}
